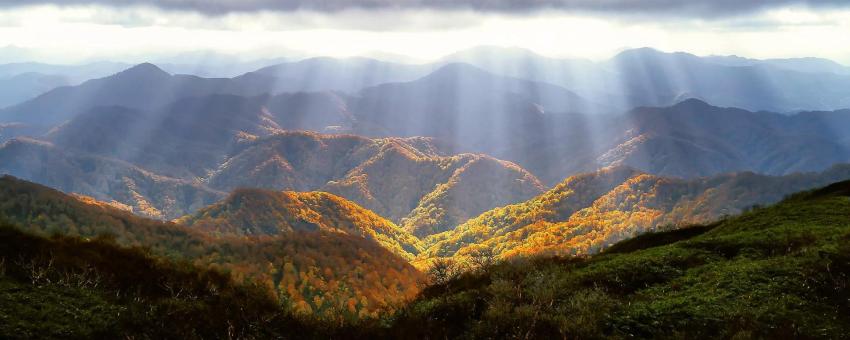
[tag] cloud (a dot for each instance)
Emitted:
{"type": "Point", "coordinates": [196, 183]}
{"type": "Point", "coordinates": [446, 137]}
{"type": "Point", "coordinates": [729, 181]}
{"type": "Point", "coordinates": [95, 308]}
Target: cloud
{"type": "Point", "coordinates": [687, 8]}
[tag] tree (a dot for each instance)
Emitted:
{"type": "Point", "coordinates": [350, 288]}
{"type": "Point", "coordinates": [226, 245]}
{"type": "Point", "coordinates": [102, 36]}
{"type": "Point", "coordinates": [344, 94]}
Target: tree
{"type": "Point", "coordinates": [483, 258]}
{"type": "Point", "coordinates": [442, 270]}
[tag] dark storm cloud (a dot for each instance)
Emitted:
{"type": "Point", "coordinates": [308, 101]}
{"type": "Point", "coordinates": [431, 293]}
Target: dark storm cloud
{"type": "Point", "coordinates": [701, 8]}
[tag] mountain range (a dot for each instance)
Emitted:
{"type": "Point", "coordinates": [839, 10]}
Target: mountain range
{"type": "Point", "coordinates": [637, 77]}
{"type": "Point", "coordinates": [782, 268]}
{"type": "Point", "coordinates": [335, 184]}
{"type": "Point", "coordinates": [468, 109]}
{"type": "Point", "coordinates": [321, 253]}
{"type": "Point", "coordinates": [210, 136]}
{"type": "Point", "coordinates": [405, 180]}
{"type": "Point", "coordinates": [649, 77]}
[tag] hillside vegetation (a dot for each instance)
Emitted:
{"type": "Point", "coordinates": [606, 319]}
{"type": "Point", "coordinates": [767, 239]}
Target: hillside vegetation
{"type": "Point", "coordinates": [183, 166]}
{"type": "Point", "coordinates": [588, 213]}
{"type": "Point", "coordinates": [266, 212]}
{"type": "Point", "coordinates": [67, 287]}
{"type": "Point", "coordinates": [319, 272]}
{"type": "Point", "coordinates": [776, 272]}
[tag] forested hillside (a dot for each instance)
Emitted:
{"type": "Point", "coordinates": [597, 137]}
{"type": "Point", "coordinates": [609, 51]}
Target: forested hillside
{"type": "Point", "coordinates": [588, 213]}
{"type": "Point", "coordinates": [408, 179]}
{"type": "Point", "coordinates": [320, 272]}
{"type": "Point", "coordinates": [425, 169]}
{"type": "Point", "coordinates": [770, 272]}
{"type": "Point", "coordinates": [265, 212]}
{"type": "Point", "coordinates": [775, 272]}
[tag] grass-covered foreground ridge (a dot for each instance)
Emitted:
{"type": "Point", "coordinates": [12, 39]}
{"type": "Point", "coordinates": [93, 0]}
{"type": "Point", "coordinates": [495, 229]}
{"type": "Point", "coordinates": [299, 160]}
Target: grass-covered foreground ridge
{"type": "Point", "coordinates": [68, 287]}
{"type": "Point", "coordinates": [776, 272]}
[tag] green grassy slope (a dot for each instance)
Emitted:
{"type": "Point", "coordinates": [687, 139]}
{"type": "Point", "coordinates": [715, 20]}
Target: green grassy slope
{"type": "Point", "coordinates": [776, 272]}
{"type": "Point", "coordinates": [67, 287]}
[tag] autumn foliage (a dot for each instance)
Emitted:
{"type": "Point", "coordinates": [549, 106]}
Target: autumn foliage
{"type": "Point", "coordinates": [322, 272]}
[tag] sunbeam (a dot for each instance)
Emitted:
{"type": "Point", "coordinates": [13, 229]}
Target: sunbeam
{"type": "Point", "coordinates": [424, 169]}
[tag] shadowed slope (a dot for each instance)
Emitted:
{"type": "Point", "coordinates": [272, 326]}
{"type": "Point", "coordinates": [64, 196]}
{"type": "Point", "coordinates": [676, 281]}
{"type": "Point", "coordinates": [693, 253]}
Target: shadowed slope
{"type": "Point", "coordinates": [143, 192]}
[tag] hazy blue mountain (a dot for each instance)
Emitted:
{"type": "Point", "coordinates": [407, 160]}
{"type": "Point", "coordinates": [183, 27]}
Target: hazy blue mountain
{"type": "Point", "coordinates": [20, 82]}
{"type": "Point", "coordinates": [586, 78]}
{"type": "Point", "coordinates": [689, 139]}
{"type": "Point", "coordinates": [808, 64]}
{"type": "Point", "coordinates": [24, 86]}
{"type": "Point", "coordinates": [109, 180]}
{"type": "Point", "coordinates": [693, 138]}
{"type": "Point", "coordinates": [648, 77]}
{"type": "Point", "coordinates": [463, 103]}
{"type": "Point", "coordinates": [75, 74]}
{"type": "Point", "coordinates": [216, 65]}
{"type": "Point", "coordinates": [142, 87]}
{"type": "Point", "coordinates": [537, 125]}
{"type": "Point", "coordinates": [346, 75]}
{"type": "Point", "coordinates": [522, 63]}
{"type": "Point", "coordinates": [185, 126]}
{"type": "Point", "coordinates": [191, 136]}
{"type": "Point", "coordinates": [147, 87]}
{"type": "Point", "coordinates": [651, 77]}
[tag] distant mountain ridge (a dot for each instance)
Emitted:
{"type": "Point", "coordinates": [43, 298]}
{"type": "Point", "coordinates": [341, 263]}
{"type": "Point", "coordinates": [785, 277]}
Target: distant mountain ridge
{"type": "Point", "coordinates": [689, 139]}
{"type": "Point", "coordinates": [141, 87]}
{"type": "Point", "coordinates": [348, 75]}
{"type": "Point", "coordinates": [635, 77]}
{"type": "Point", "coordinates": [214, 135]}
{"type": "Point", "coordinates": [226, 141]}
{"type": "Point", "coordinates": [649, 77]}
{"type": "Point", "coordinates": [24, 86]}
{"type": "Point", "coordinates": [466, 104]}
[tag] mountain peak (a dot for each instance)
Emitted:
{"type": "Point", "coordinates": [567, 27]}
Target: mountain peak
{"type": "Point", "coordinates": [144, 70]}
{"type": "Point", "coordinates": [650, 53]}
{"type": "Point", "coordinates": [641, 51]}
{"type": "Point", "coordinates": [692, 103]}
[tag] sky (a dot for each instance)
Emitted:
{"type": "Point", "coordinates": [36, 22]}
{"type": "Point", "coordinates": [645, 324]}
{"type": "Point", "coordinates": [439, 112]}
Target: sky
{"type": "Point", "coordinates": [72, 31]}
